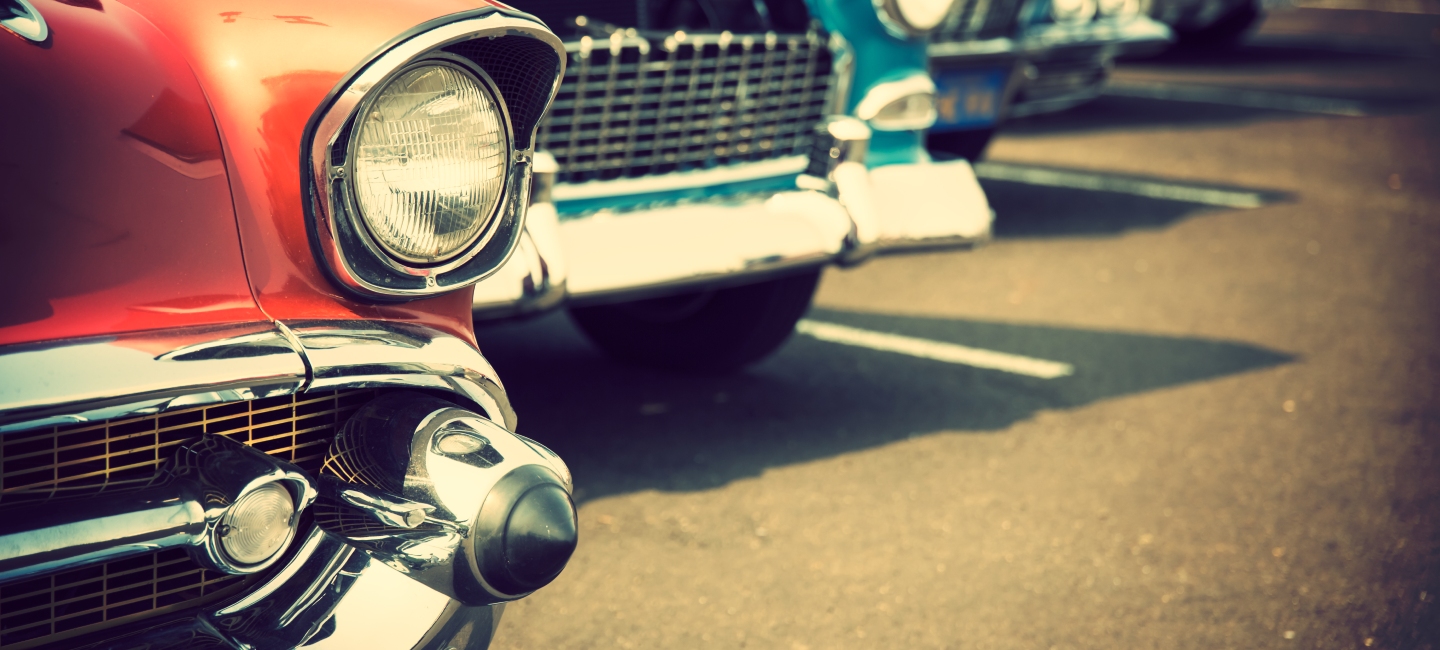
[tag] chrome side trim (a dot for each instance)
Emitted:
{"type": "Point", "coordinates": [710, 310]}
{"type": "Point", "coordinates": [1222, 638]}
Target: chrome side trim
{"type": "Point", "coordinates": [776, 167]}
{"type": "Point", "coordinates": [141, 373]}
{"type": "Point", "coordinates": [138, 373]}
{"type": "Point", "coordinates": [987, 47]}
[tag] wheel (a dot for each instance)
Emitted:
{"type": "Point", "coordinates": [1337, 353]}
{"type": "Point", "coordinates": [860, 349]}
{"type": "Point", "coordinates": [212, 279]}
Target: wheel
{"type": "Point", "coordinates": [969, 145]}
{"type": "Point", "coordinates": [1227, 32]}
{"type": "Point", "coordinates": [708, 331]}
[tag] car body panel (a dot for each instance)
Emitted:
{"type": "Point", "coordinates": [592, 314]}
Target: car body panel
{"type": "Point", "coordinates": [116, 205]}
{"type": "Point", "coordinates": [263, 98]}
{"type": "Point", "coordinates": [879, 57]}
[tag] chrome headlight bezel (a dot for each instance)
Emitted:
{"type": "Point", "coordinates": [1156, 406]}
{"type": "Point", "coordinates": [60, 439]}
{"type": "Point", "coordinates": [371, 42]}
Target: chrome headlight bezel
{"type": "Point", "coordinates": [377, 247]}
{"type": "Point", "coordinates": [530, 62]}
{"type": "Point", "coordinates": [893, 17]}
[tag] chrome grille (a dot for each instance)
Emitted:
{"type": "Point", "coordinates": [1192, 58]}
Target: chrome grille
{"type": "Point", "coordinates": [632, 106]}
{"type": "Point", "coordinates": [977, 20]}
{"type": "Point", "coordinates": [85, 458]}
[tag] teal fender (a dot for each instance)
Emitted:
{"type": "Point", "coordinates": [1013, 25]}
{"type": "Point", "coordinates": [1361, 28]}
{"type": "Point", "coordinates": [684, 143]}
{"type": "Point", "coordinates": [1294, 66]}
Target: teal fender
{"type": "Point", "coordinates": [879, 57]}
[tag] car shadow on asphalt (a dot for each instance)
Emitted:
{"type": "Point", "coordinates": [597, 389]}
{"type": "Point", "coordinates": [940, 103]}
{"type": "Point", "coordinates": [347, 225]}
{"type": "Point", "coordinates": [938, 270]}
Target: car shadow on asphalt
{"type": "Point", "coordinates": [1028, 211]}
{"type": "Point", "coordinates": [625, 429]}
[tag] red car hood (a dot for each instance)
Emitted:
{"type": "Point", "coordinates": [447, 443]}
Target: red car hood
{"type": "Point", "coordinates": [151, 130]}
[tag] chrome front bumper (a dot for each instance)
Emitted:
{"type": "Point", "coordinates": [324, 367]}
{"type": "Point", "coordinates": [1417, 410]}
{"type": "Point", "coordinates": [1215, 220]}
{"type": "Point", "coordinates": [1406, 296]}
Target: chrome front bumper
{"type": "Point", "coordinates": [326, 592]}
{"type": "Point", "coordinates": [328, 596]}
{"type": "Point", "coordinates": [842, 214]}
{"type": "Point", "coordinates": [1067, 65]}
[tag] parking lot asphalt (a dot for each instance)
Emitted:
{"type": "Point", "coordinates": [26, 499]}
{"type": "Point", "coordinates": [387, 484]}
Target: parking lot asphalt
{"type": "Point", "coordinates": [1244, 453]}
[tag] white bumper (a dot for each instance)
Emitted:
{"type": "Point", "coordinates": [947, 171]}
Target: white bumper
{"type": "Point", "coordinates": [610, 255]}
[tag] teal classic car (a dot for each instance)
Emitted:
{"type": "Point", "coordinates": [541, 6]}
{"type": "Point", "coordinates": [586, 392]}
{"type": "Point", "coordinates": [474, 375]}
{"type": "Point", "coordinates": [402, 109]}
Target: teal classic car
{"type": "Point", "coordinates": [704, 160]}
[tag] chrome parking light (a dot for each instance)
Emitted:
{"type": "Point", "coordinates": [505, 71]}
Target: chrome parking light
{"type": "Point", "coordinates": [196, 503]}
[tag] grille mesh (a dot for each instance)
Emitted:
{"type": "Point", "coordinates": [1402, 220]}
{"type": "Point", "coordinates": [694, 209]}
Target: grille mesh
{"type": "Point", "coordinates": [632, 107]}
{"type": "Point", "coordinates": [75, 460]}
{"type": "Point", "coordinates": [977, 20]}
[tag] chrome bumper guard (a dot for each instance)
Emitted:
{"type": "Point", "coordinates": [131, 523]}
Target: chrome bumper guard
{"type": "Point", "coordinates": [837, 212]}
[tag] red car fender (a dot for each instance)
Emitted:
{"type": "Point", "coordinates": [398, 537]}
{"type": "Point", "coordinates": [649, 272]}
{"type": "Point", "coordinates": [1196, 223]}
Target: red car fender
{"type": "Point", "coordinates": [265, 67]}
{"type": "Point", "coordinates": [115, 209]}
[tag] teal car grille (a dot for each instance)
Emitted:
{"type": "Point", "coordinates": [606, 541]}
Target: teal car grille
{"type": "Point", "coordinates": [632, 106]}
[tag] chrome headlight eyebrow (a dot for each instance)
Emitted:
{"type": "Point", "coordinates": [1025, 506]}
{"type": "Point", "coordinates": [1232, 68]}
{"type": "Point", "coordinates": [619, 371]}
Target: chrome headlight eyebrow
{"type": "Point", "coordinates": [419, 162]}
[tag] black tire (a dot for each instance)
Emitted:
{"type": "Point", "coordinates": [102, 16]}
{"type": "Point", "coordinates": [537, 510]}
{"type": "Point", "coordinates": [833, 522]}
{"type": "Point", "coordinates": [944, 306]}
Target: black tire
{"type": "Point", "coordinates": [708, 331]}
{"type": "Point", "coordinates": [1222, 34]}
{"type": "Point", "coordinates": [969, 145]}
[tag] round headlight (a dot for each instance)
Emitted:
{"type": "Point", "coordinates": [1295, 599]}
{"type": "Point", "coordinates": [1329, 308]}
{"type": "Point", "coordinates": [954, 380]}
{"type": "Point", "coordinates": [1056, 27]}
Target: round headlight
{"type": "Point", "coordinates": [915, 16]}
{"type": "Point", "coordinates": [429, 162]}
{"type": "Point", "coordinates": [1119, 8]}
{"type": "Point", "coordinates": [1072, 11]}
{"type": "Point", "coordinates": [258, 524]}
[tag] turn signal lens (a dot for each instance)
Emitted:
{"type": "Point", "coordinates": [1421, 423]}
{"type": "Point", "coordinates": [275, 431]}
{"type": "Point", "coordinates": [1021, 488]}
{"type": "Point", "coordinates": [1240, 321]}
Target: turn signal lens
{"type": "Point", "coordinates": [430, 158]}
{"type": "Point", "coordinates": [258, 524]}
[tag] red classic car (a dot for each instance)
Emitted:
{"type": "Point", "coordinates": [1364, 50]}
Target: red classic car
{"type": "Point", "coordinates": [241, 403]}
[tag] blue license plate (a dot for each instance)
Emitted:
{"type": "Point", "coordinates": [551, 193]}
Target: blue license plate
{"type": "Point", "coordinates": [968, 98]}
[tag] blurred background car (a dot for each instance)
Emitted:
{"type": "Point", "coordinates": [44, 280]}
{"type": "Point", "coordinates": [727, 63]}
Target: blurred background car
{"type": "Point", "coordinates": [1012, 59]}
{"type": "Point", "coordinates": [1070, 47]}
{"type": "Point", "coordinates": [711, 157]}
{"type": "Point", "coordinates": [1211, 24]}
{"type": "Point", "coordinates": [974, 60]}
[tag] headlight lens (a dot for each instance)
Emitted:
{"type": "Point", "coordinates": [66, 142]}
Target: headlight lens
{"type": "Point", "coordinates": [429, 163]}
{"type": "Point", "coordinates": [257, 525]}
{"type": "Point", "coordinates": [912, 17]}
{"type": "Point", "coordinates": [923, 15]}
{"type": "Point", "coordinates": [1119, 8]}
{"type": "Point", "coordinates": [1072, 11]}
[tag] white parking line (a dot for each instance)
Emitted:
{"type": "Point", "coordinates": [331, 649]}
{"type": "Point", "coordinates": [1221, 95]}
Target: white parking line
{"type": "Point", "coordinates": [927, 349]}
{"type": "Point", "coordinates": [1105, 183]}
{"type": "Point", "coordinates": [1235, 97]}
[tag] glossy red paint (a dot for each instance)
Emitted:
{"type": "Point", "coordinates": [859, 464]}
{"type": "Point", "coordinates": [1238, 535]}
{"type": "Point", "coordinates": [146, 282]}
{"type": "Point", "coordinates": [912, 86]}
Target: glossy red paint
{"type": "Point", "coordinates": [115, 209]}
{"type": "Point", "coordinates": [266, 66]}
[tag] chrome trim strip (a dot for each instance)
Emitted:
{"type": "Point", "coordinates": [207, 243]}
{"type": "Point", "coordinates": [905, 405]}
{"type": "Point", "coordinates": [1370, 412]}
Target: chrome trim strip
{"type": "Point", "coordinates": [776, 167]}
{"type": "Point", "coordinates": [987, 47]}
{"type": "Point", "coordinates": [138, 373]}
{"type": "Point", "coordinates": [141, 373]}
